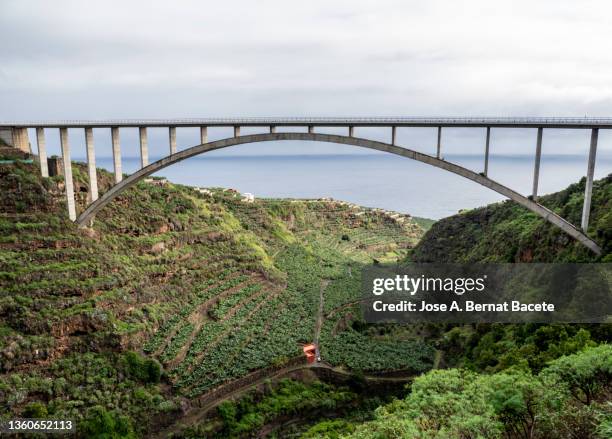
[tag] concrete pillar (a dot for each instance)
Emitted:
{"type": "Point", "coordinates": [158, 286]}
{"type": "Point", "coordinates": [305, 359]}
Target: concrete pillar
{"type": "Point", "coordinates": [203, 135]}
{"type": "Point", "coordinates": [439, 142]}
{"type": "Point", "coordinates": [351, 131]}
{"type": "Point", "coordinates": [172, 139]}
{"type": "Point", "coordinates": [393, 135]}
{"type": "Point", "coordinates": [486, 164]}
{"type": "Point", "coordinates": [236, 131]}
{"type": "Point", "coordinates": [144, 146]}
{"type": "Point", "coordinates": [310, 129]}
{"type": "Point", "coordinates": [21, 140]}
{"type": "Point", "coordinates": [42, 151]}
{"type": "Point", "coordinates": [536, 167]}
{"type": "Point", "coordinates": [25, 141]}
{"type": "Point", "coordinates": [588, 189]}
{"type": "Point", "coordinates": [272, 129]}
{"type": "Point", "coordinates": [68, 173]}
{"type": "Point", "coordinates": [91, 164]}
{"type": "Point", "coordinates": [116, 154]}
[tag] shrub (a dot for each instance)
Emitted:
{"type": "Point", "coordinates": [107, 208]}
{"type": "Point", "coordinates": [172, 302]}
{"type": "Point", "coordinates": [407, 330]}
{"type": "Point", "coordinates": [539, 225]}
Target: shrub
{"type": "Point", "coordinates": [35, 410]}
{"type": "Point", "coordinates": [166, 406]}
{"type": "Point", "coordinates": [605, 423]}
{"type": "Point", "coordinates": [227, 412]}
{"type": "Point", "coordinates": [141, 368]}
{"type": "Point", "coordinates": [329, 429]}
{"type": "Point", "coordinates": [102, 424]}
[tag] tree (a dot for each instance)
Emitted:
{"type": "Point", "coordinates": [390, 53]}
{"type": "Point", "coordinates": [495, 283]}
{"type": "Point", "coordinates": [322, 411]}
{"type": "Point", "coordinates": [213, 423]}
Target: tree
{"type": "Point", "coordinates": [102, 424]}
{"type": "Point", "coordinates": [586, 374]}
{"type": "Point", "coordinates": [443, 403]}
{"type": "Point", "coordinates": [521, 401]}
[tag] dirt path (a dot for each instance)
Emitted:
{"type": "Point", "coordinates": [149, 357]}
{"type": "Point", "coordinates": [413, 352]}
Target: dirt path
{"type": "Point", "coordinates": [319, 324]}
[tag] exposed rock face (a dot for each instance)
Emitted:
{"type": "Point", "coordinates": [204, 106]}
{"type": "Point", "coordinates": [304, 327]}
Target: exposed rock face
{"type": "Point", "coordinates": [215, 236]}
{"type": "Point", "coordinates": [158, 248]}
{"type": "Point", "coordinates": [163, 228]}
{"type": "Point", "coordinates": [90, 233]}
{"type": "Point", "coordinates": [79, 325]}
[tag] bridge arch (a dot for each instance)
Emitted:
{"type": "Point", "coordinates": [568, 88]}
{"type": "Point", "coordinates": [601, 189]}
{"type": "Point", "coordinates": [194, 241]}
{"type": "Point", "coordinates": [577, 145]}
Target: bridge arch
{"type": "Point", "coordinates": [88, 214]}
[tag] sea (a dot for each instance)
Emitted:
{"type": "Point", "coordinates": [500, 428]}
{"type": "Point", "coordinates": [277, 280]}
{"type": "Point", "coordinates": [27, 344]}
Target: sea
{"type": "Point", "coordinates": [373, 180]}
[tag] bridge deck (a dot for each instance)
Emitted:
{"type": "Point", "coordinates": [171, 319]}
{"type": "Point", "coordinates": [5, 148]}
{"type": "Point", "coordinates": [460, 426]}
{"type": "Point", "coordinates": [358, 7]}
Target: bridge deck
{"type": "Point", "coordinates": [505, 122]}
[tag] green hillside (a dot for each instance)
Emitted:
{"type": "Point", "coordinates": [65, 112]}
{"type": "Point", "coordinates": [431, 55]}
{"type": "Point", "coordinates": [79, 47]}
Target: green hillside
{"type": "Point", "coordinates": [178, 293]}
{"type": "Point", "coordinates": [507, 232]}
{"type": "Point", "coordinates": [174, 292]}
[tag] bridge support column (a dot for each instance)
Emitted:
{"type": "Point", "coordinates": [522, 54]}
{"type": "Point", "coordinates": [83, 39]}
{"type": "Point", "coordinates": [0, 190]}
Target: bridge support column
{"type": "Point", "coordinates": [21, 140]}
{"type": "Point", "coordinates": [203, 135]}
{"type": "Point", "coordinates": [486, 163]}
{"type": "Point", "coordinates": [237, 131]}
{"type": "Point", "coordinates": [547, 214]}
{"type": "Point", "coordinates": [439, 142]}
{"type": "Point", "coordinates": [42, 151]}
{"type": "Point", "coordinates": [310, 129]}
{"type": "Point", "coordinates": [172, 139]}
{"type": "Point", "coordinates": [588, 189]}
{"type": "Point", "coordinates": [144, 146]}
{"type": "Point", "coordinates": [68, 174]}
{"type": "Point", "coordinates": [536, 167]}
{"type": "Point", "coordinates": [351, 131]}
{"type": "Point", "coordinates": [393, 135]}
{"type": "Point", "coordinates": [116, 154]}
{"type": "Point", "coordinates": [272, 129]}
{"type": "Point", "coordinates": [91, 165]}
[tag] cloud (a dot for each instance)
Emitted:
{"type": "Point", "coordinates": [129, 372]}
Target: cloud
{"type": "Point", "coordinates": [78, 59]}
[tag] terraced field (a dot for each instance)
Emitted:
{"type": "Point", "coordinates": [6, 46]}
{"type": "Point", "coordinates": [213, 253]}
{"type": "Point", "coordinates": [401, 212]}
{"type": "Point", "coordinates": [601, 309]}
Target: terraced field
{"type": "Point", "coordinates": [240, 320]}
{"type": "Point", "coordinates": [260, 324]}
{"type": "Point", "coordinates": [209, 286]}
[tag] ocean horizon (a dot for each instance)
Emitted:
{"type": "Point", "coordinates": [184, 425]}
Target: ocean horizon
{"type": "Point", "coordinates": [372, 180]}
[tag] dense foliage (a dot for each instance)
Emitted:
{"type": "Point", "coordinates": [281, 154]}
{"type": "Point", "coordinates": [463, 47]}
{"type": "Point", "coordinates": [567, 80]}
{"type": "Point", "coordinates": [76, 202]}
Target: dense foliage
{"type": "Point", "coordinates": [287, 399]}
{"type": "Point", "coordinates": [495, 347]}
{"type": "Point", "coordinates": [458, 403]}
{"type": "Point", "coordinates": [92, 389]}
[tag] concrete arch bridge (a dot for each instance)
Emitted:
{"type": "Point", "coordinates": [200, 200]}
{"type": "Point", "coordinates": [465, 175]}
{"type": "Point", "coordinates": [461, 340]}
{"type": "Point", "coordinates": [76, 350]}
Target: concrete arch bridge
{"type": "Point", "coordinates": [16, 134]}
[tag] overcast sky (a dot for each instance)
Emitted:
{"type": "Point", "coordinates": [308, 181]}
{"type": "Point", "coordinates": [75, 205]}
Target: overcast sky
{"type": "Point", "coordinates": [165, 59]}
